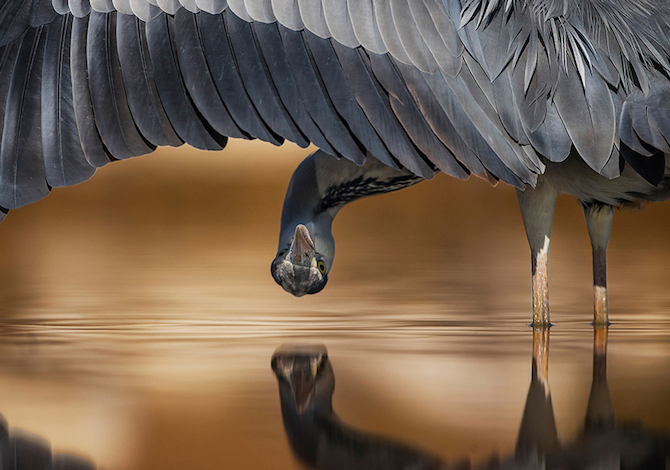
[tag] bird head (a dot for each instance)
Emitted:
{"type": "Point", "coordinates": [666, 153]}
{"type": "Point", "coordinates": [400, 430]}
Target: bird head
{"type": "Point", "coordinates": [302, 264]}
{"type": "Point", "coordinates": [305, 377]}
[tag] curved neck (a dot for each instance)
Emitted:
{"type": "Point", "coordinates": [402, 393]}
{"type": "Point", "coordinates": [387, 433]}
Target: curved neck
{"type": "Point", "coordinates": [323, 184]}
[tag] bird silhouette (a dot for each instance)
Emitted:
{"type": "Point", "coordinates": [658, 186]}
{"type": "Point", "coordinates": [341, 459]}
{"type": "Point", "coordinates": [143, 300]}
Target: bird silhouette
{"type": "Point", "coordinates": [550, 96]}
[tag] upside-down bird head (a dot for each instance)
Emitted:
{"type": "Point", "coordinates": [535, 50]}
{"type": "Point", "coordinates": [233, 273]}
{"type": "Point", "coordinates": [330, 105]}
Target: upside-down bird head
{"type": "Point", "coordinates": [302, 264]}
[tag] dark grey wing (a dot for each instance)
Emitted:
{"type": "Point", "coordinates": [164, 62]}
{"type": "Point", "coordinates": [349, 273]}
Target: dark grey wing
{"type": "Point", "coordinates": [483, 87]}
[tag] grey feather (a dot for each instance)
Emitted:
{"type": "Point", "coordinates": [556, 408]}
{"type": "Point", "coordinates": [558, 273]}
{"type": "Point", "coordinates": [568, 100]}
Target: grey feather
{"type": "Point", "coordinates": [257, 81]}
{"type": "Point", "coordinates": [213, 7]}
{"type": "Point", "coordinates": [102, 6]}
{"type": "Point", "coordinates": [123, 6]}
{"type": "Point", "coordinates": [342, 97]}
{"type": "Point", "coordinates": [438, 120]}
{"type": "Point", "coordinates": [270, 44]}
{"type": "Point", "coordinates": [388, 32]}
{"type": "Point", "coordinates": [377, 108]}
{"type": "Point", "coordinates": [176, 101]}
{"type": "Point", "coordinates": [316, 98]}
{"type": "Point", "coordinates": [110, 105]}
{"type": "Point", "coordinates": [144, 10]}
{"type": "Point", "coordinates": [190, 5]}
{"type": "Point", "coordinates": [651, 168]}
{"type": "Point", "coordinates": [197, 77]}
{"type": "Point", "coordinates": [169, 6]}
{"type": "Point", "coordinates": [411, 119]}
{"type": "Point", "coordinates": [410, 38]}
{"type": "Point", "coordinates": [79, 8]}
{"type": "Point", "coordinates": [445, 58]}
{"type": "Point", "coordinates": [14, 20]}
{"type": "Point", "coordinates": [240, 10]}
{"type": "Point", "coordinates": [41, 13]}
{"type": "Point", "coordinates": [287, 13]}
{"type": "Point", "coordinates": [139, 81]}
{"type": "Point", "coordinates": [64, 159]}
{"type": "Point", "coordinates": [477, 107]}
{"type": "Point", "coordinates": [61, 7]}
{"type": "Point", "coordinates": [551, 139]}
{"type": "Point", "coordinates": [468, 131]}
{"type": "Point", "coordinates": [260, 10]}
{"type": "Point", "coordinates": [311, 12]}
{"type": "Point", "coordinates": [95, 151]}
{"type": "Point", "coordinates": [364, 24]}
{"type": "Point", "coordinates": [22, 176]}
{"type": "Point", "coordinates": [336, 14]}
{"type": "Point", "coordinates": [225, 74]}
{"type": "Point", "coordinates": [588, 116]}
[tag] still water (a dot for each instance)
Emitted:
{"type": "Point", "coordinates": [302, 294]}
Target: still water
{"type": "Point", "coordinates": [138, 318]}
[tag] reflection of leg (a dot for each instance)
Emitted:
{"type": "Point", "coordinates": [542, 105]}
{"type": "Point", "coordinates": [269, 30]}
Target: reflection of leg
{"type": "Point", "coordinates": [537, 433]}
{"type": "Point", "coordinates": [537, 209]}
{"type": "Point", "coordinates": [599, 412]}
{"type": "Point", "coordinates": [599, 221]}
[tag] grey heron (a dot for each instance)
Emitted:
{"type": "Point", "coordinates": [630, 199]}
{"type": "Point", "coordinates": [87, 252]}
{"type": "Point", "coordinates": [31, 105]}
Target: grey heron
{"type": "Point", "coordinates": [550, 96]}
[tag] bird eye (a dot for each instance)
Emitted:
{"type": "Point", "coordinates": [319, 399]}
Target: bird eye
{"type": "Point", "coordinates": [281, 253]}
{"type": "Point", "coordinates": [322, 266]}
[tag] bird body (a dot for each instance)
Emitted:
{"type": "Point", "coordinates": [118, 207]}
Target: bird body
{"type": "Point", "coordinates": [549, 96]}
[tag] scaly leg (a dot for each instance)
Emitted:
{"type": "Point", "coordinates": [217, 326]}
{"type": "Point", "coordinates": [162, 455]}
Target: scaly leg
{"type": "Point", "coordinates": [537, 209]}
{"type": "Point", "coordinates": [599, 222]}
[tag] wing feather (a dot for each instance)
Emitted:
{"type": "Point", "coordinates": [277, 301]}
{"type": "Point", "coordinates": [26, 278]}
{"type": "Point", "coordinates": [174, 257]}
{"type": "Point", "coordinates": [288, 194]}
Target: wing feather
{"type": "Point", "coordinates": [22, 174]}
{"type": "Point", "coordinates": [64, 159]}
{"type": "Point", "coordinates": [260, 10]}
{"type": "Point", "coordinates": [257, 82]}
{"type": "Point", "coordinates": [279, 68]}
{"type": "Point", "coordinates": [376, 107]}
{"type": "Point", "coordinates": [110, 105]}
{"type": "Point", "coordinates": [197, 77]}
{"type": "Point", "coordinates": [224, 70]}
{"type": "Point", "coordinates": [339, 24]}
{"type": "Point", "coordinates": [342, 97]}
{"type": "Point", "coordinates": [169, 83]}
{"type": "Point", "coordinates": [588, 115]}
{"type": "Point", "coordinates": [316, 97]}
{"type": "Point", "coordinates": [414, 123]}
{"type": "Point", "coordinates": [287, 13]}
{"type": "Point", "coordinates": [364, 24]}
{"type": "Point", "coordinates": [94, 149]}
{"type": "Point", "coordinates": [139, 82]}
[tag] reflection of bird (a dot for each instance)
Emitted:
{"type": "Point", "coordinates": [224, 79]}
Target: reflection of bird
{"type": "Point", "coordinates": [554, 96]}
{"type": "Point", "coordinates": [603, 443]}
{"type": "Point", "coordinates": [318, 438]}
{"type": "Point", "coordinates": [20, 450]}
{"type": "Point", "coordinates": [322, 441]}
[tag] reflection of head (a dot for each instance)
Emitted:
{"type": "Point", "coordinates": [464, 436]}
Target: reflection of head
{"type": "Point", "coordinates": [306, 380]}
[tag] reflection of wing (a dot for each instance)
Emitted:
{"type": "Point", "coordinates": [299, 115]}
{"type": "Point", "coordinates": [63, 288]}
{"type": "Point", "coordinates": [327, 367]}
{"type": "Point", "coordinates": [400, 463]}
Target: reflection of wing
{"type": "Point", "coordinates": [482, 90]}
{"type": "Point", "coordinates": [341, 447]}
{"type": "Point", "coordinates": [20, 450]}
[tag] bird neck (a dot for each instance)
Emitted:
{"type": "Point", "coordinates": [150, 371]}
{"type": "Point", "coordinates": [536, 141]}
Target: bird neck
{"type": "Point", "coordinates": [323, 184]}
{"type": "Point", "coordinates": [305, 430]}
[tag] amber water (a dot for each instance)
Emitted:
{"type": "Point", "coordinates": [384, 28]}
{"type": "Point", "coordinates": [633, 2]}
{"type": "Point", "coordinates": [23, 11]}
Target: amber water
{"type": "Point", "coordinates": [138, 315]}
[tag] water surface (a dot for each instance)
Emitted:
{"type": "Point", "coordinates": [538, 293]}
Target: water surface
{"type": "Point", "coordinates": [138, 315]}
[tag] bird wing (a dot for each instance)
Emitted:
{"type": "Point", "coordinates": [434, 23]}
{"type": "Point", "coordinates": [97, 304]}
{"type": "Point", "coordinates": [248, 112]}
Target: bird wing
{"type": "Point", "coordinates": [471, 86]}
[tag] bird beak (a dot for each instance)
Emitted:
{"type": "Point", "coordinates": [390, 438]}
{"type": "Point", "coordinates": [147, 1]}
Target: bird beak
{"type": "Point", "coordinates": [302, 247]}
{"type": "Point", "coordinates": [302, 386]}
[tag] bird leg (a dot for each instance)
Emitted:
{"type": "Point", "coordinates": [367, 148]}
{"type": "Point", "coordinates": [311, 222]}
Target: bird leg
{"type": "Point", "coordinates": [537, 209]}
{"type": "Point", "coordinates": [599, 222]}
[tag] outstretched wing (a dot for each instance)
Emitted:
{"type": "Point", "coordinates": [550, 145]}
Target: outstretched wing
{"type": "Point", "coordinates": [483, 87]}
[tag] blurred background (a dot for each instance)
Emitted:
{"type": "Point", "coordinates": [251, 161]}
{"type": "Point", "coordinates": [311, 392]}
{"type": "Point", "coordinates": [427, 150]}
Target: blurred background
{"type": "Point", "coordinates": [138, 314]}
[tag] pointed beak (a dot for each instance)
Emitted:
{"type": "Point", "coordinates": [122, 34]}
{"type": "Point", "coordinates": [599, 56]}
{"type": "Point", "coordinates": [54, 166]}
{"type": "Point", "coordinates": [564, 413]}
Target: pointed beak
{"type": "Point", "coordinates": [302, 246]}
{"type": "Point", "coordinates": [302, 386]}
